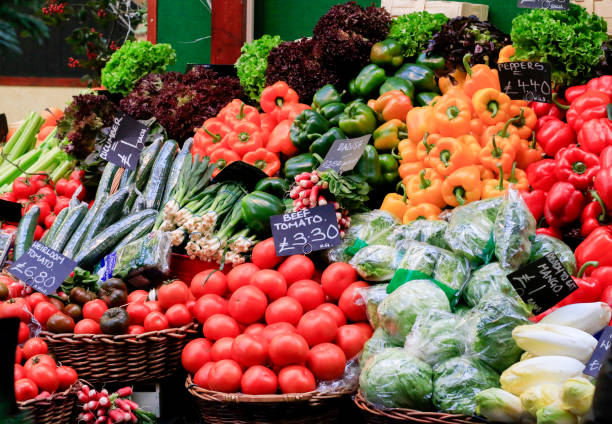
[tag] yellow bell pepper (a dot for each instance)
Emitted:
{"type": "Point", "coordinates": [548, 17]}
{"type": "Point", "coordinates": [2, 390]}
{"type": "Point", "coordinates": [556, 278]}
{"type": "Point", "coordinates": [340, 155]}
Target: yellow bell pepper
{"type": "Point", "coordinates": [462, 186]}
{"type": "Point", "coordinates": [395, 204]}
{"type": "Point", "coordinates": [422, 211]}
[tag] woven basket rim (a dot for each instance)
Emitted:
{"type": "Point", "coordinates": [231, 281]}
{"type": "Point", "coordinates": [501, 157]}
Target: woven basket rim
{"type": "Point", "coordinates": [214, 396]}
{"type": "Point", "coordinates": [122, 337]}
{"type": "Point", "coordinates": [55, 396]}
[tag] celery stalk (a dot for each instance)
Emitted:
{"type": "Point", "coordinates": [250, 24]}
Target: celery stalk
{"type": "Point", "coordinates": [47, 160]}
{"type": "Point", "coordinates": [28, 138]}
{"type": "Point", "coordinates": [62, 169]}
{"type": "Point", "coordinates": [49, 141]}
{"type": "Point", "coordinates": [8, 176]}
{"type": "Point", "coordinates": [17, 136]}
{"type": "Point", "coordinates": [7, 166]}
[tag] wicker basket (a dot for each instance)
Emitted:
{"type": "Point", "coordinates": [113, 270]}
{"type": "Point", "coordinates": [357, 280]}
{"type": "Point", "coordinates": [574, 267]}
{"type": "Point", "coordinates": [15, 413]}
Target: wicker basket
{"type": "Point", "coordinates": [238, 408]}
{"type": "Point", "coordinates": [395, 415]}
{"type": "Point", "coordinates": [56, 409]}
{"type": "Point", "coordinates": [124, 358]}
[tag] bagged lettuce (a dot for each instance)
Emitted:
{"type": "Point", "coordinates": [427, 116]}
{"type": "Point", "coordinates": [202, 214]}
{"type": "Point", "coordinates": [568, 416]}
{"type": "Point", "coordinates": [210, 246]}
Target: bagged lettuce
{"type": "Point", "coordinates": [543, 245]}
{"type": "Point", "coordinates": [150, 253]}
{"type": "Point", "coordinates": [377, 343]}
{"type": "Point", "coordinates": [513, 232]}
{"type": "Point", "coordinates": [489, 279]}
{"type": "Point", "coordinates": [376, 262]}
{"type": "Point", "coordinates": [372, 296]}
{"type": "Point", "coordinates": [423, 230]}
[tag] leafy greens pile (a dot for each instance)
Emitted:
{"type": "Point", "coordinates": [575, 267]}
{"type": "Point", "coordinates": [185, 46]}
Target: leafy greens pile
{"type": "Point", "coordinates": [570, 40]}
{"type": "Point", "coordinates": [252, 64]}
{"type": "Point", "coordinates": [414, 30]}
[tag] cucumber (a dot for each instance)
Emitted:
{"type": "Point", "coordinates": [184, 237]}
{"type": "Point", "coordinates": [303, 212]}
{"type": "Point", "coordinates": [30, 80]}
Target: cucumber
{"type": "Point", "coordinates": [107, 239]}
{"type": "Point", "coordinates": [24, 237]}
{"type": "Point", "coordinates": [127, 178]}
{"type": "Point", "coordinates": [70, 224]}
{"type": "Point", "coordinates": [145, 227]}
{"type": "Point", "coordinates": [59, 219]}
{"type": "Point", "coordinates": [145, 164]}
{"type": "Point", "coordinates": [108, 214]}
{"type": "Point", "coordinates": [106, 180]}
{"type": "Point", "coordinates": [154, 191]}
{"type": "Point", "coordinates": [175, 171]}
{"type": "Point", "coordinates": [139, 203]}
{"type": "Point", "coordinates": [78, 236]}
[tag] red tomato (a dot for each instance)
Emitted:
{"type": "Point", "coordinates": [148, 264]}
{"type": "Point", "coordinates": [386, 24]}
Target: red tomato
{"type": "Point", "coordinates": [35, 298]}
{"type": "Point", "coordinates": [70, 187]}
{"type": "Point", "coordinates": [255, 329]}
{"type": "Point", "coordinates": [350, 339]}
{"type": "Point", "coordinates": [44, 376]}
{"type": "Point", "coordinates": [44, 207]}
{"type": "Point", "coordinates": [39, 181]}
{"type": "Point", "coordinates": [296, 268]}
{"type": "Point", "coordinates": [296, 379]}
{"type": "Point", "coordinates": [94, 309]}
{"type": "Point", "coordinates": [178, 315]}
{"type": "Point", "coordinates": [172, 293]}
{"type": "Point", "coordinates": [138, 296]}
{"type": "Point", "coordinates": [264, 254]}
{"type": "Point", "coordinates": [44, 310]}
{"type": "Point", "coordinates": [208, 305]}
{"type": "Point", "coordinates": [155, 321]}
{"type": "Point", "coordinates": [67, 376]}
{"type": "Point", "coordinates": [38, 232]}
{"type": "Point", "coordinates": [18, 355]}
{"type": "Point", "coordinates": [61, 187]}
{"type": "Point", "coordinates": [48, 195]}
{"type": "Point", "coordinates": [287, 349]}
{"type": "Point", "coordinates": [219, 325]}
{"type": "Point", "coordinates": [190, 304]}
{"type": "Point", "coordinates": [317, 327]}
{"type": "Point", "coordinates": [87, 326]}
{"type": "Point", "coordinates": [15, 289]}
{"type": "Point", "coordinates": [25, 389]}
{"type": "Point", "coordinates": [24, 333]}
{"type": "Point", "coordinates": [137, 313]}
{"type": "Point", "coordinates": [273, 330]}
{"type": "Point", "coordinates": [351, 302]}
{"type": "Point", "coordinates": [209, 282]}
{"type": "Point", "coordinates": [201, 377]}
{"type": "Point", "coordinates": [195, 354]}
{"type": "Point", "coordinates": [61, 202]}
{"type": "Point", "coordinates": [225, 376]}
{"type": "Point", "coordinates": [19, 372]}
{"type": "Point", "coordinates": [240, 276]}
{"type": "Point", "coordinates": [606, 295]}
{"type": "Point", "coordinates": [334, 311]}
{"type": "Point", "coordinates": [9, 196]}
{"type": "Point", "coordinates": [15, 308]}
{"type": "Point", "coordinates": [259, 380]}
{"type": "Point", "coordinates": [365, 327]}
{"type": "Point", "coordinates": [136, 329]}
{"type": "Point", "coordinates": [77, 174]}
{"type": "Point", "coordinates": [326, 361]}
{"type": "Point", "coordinates": [34, 346]}
{"type": "Point", "coordinates": [153, 305]}
{"type": "Point", "coordinates": [336, 278]}
{"type": "Point", "coordinates": [250, 350]}
{"type": "Point", "coordinates": [271, 282]}
{"type": "Point", "coordinates": [222, 349]}
{"type": "Point", "coordinates": [247, 304]}
{"type": "Point", "coordinates": [309, 293]}
{"type": "Point", "coordinates": [285, 309]}
{"type": "Point", "coordinates": [22, 188]}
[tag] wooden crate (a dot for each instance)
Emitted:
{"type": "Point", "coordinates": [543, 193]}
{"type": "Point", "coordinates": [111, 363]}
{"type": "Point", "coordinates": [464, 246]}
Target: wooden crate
{"type": "Point", "coordinates": [448, 8]}
{"type": "Point", "coordinates": [602, 8]}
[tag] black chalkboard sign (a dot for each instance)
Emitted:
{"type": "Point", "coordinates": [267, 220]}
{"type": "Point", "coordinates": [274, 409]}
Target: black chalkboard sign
{"type": "Point", "coordinates": [10, 211]}
{"type": "Point", "coordinates": [222, 70]}
{"type": "Point", "coordinates": [306, 231]}
{"type": "Point", "coordinates": [526, 81]}
{"type": "Point", "coordinates": [600, 353]}
{"type": "Point", "coordinates": [126, 139]}
{"type": "Point", "coordinates": [242, 172]}
{"type": "Point", "coordinates": [543, 283]}
{"type": "Point", "coordinates": [544, 4]}
{"type": "Point", "coordinates": [3, 127]}
{"type": "Point", "coordinates": [344, 154]}
{"type": "Point", "coordinates": [42, 268]}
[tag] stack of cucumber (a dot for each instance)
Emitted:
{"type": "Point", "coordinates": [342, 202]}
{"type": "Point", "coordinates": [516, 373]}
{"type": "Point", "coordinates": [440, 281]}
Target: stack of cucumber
{"type": "Point", "coordinates": [116, 217]}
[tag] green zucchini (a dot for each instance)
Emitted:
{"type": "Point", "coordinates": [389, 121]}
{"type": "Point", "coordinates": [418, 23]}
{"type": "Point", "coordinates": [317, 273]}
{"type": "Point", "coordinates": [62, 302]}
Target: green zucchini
{"type": "Point", "coordinates": [145, 227]}
{"type": "Point", "coordinates": [24, 237]}
{"type": "Point", "coordinates": [154, 191]}
{"type": "Point", "coordinates": [107, 239]}
{"type": "Point", "coordinates": [106, 180]}
{"type": "Point", "coordinates": [108, 214]}
{"type": "Point", "coordinates": [78, 236]}
{"type": "Point", "coordinates": [175, 171]}
{"type": "Point", "coordinates": [145, 163]}
{"type": "Point", "coordinates": [71, 223]}
{"type": "Point", "coordinates": [59, 219]}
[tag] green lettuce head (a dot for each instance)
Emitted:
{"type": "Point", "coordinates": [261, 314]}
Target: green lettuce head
{"type": "Point", "coordinates": [377, 343]}
{"type": "Point", "coordinates": [487, 280]}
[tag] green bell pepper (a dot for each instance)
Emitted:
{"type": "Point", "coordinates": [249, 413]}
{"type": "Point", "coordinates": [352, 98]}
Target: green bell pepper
{"type": "Point", "coordinates": [357, 120]}
{"type": "Point", "coordinates": [307, 127]}
{"type": "Point", "coordinates": [425, 98]}
{"type": "Point", "coordinates": [421, 76]}
{"type": "Point", "coordinates": [397, 83]}
{"type": "Point", "coordinates": [368, 166]}
{"type": "Point", "coordinates": [273, 185]}
{"type": "Point", "coordinates": [433, 62]}
{"type": "Point", "coordinates": [257, 208]}
{"type": "Point", "coordinates": [326, 95]}
{"type": "Point", "coordinates": [332, 112]}
{"type": "Point", "coordinates": [322, 144]}
{"type": "Point", "coordinates": [388, 169]}
{"type": "Point", "coordinates": [387, 53]}
{"type": "Point", "coordinates": [352, 88]}
{"type": "Point", "coordinates": [298, 164]}
{"type": "Point", "coordinates": [368, 80]}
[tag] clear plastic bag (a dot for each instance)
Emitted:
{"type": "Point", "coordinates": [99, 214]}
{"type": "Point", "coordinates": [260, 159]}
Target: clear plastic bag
{"type": "Point", "coordinates": [514, 230]}
{"type": "Point", "coordinates": [489, 279]}
{"type": "Point", "coordinates": [379, 341]}
{"type": "Point", "coordinates": [372, 296]}
{"type": "Point", "coordinates": [543, 245]}
{"type": "Point", "coordinates": [376, 262]}
{"type": "Point", "coordinates": [348, 382]}
{"type": "Point", "coordinates": [423, 230]}
{"type": "Point", "coordinates": [150, 253]}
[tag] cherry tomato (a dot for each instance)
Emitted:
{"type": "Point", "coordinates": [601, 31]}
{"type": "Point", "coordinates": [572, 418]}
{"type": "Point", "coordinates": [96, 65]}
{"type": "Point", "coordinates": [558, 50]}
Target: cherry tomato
{"type": "Point", "coordinates": [201, 376]}
{"type": "Point", "coordinates": [136, 329]}
{"type": "Point", "coordinates": [15, 289]}
{"type": "Point", "coordinates": [24, 333]}
{"type": "Point", "coordinates": [61, 203]}
{"type": "Point", "coordinates": [155, 321]}
{"type": "Point", "coordinates": [209, 282]}
{"type": "Point", "coordinates": [18, 355]}
{"type": "Point", "coordinates": [296, 379]}
{"type": "Point", "coordinates": [71, 187]}
{"type": "Point", "coordinates": [350, 339]}
{"type": "Point", "coordinates": [94, 309]}
{"type": "Point", "coordinates": [287, 349]}
{"type": "Point", "coordinates": [222, 349]}
{"type": "Point", "coordinates": [35, 298]}
{"type": "Point", "coordinates": [19, 372]}
{"type": "Point", "coordinates": [219, 325]}
{"type": "Point", "coordinates": [172, 293]}
{"type": "Point", "coordinates": [264, 254]}
{"type": "Point", "coordinates": [351, 302]}
{"type": "Point", "coordinates": [271, 282]}
{"type": "Point", "coordinates": [39, 181]}
{"type": "Point", "coordinates": [22, 188]}
{"type": "Point", "coordinates": [326, 361]}
{"type": "Point", "coordinates": [224, 376]}
{"type": "Point", "coordinates": [25, 389]}
{"type": "Point", "coordinates": [48, 195]}
{"type": "Point", "coordinates": [336, 278]}
{"type": "Point", "coordinates": [296, 268]}
{"type": "Point", "coordinates": [255, 329]}
{"type": "Point", "coordinates": [15, 308]}
{"type": "Point", "coordinates": [61, 187]}
{"type": "Point", "coordinates": [285, 309]}
{"type": "Point", "coordinates": [272, 330]}
{"type": "Point", "coordinates": [37, 360]}
{"type": "Point", "coordinates": [38, 232]}
{"type": "Point", "coordinates": [259, 380]}
{"type": "Point", "coordinates": [195, 354]}
{"type": "Point", "coordinates": [66, 376]}
{"type": "Point", "coordinates": [178, 315]}
{"type": "Point", "coordinates": [138, 296]}
{"type": "Point", "coordinates": [317, 327]}
{"type": "Point", "coordinates": [137, 313]}
{"type": "Point", "coordinates": [208, 305]}
{"type": "Point", "coordinates": [309, 293]}
{"type": "Point", "coordinates": [240, 276]}
{"type": "Point", "coordinates": [250, 350]}
{"type": "Point", "coordinates": [59, 323]}
{"type": "Point", "coordinates": [248, 304]}
{"type": "Point", "coordinates": [334, 311]}
{"type": "Point", "coordinates": [43, 311]}
{"type": "Point", "coordinates": [9, 196]}
{"type": "Point", "coordinates": [34, 346]}
{"type": "Point", "coordinates": [87, 326]}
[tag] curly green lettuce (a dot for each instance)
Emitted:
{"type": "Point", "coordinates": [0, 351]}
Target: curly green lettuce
{"type": "Point", "coordinates": [413, 31]}
{"type": "Point", "coordinates": [252, 64]}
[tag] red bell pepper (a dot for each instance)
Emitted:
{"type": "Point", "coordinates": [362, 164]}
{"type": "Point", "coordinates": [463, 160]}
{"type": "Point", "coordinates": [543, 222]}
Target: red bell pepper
{"type": "Point", "coordinates": [223, 157]}
{"type": "Point", "coordinates": [564, 204]}
{"type": "Point", "coordinates": [546, 109]}
{"type": "Point", "coordinates": [603, 186]}
{"type": "Point", "coordinates": [263, 159]}
{"type": "Point", "coordinates": [535, 201]}
{"type": "Point", "coordinates": [603, 273]}
{"type": "Point", "coordinates": [605, 158]}
{"type": "Point", "coordinates": [542, 175]}
{"type": "Point", "coordinates": [550, 231]}
{"type": "Point", "coordinates": [603, 84]}
{"type": "Point", "coordinates": [593, 216]}
{"type": "Point", "coordinates": [553, 135]}
{"type": "Point", "coordinates": [595, 135]}
{"type": "Point", "coordinates": [275, 96]}
{"type": "Point", "coordinates": [589, 288]}
{"type": "Point", "coordinates": [279, 140]}
{"type": "Point", "coordinates": [596, 247]}
{"type": "Point", "coordinates": [236, 112]}
{"type": "Point", "coordinates": [245, 137]}
{"type": "Point", "coordinates": [576, 167]}
{"type": "Point", "coordinates": [591, 105]}
{"type": "Point", "coordinates": [211, 136]}
{"type": "Point", "coordinates": [573, 93]}
{"type": "Point", "coordinates": [606, 295]}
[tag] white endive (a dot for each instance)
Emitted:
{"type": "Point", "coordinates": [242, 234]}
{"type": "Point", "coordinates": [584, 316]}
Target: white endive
{"type": "Point", "coordinates": [590, 317]}
{"type": "Point", "coordinates": [537, 397]}
{"type": "Point", "coordinates": [577, 395]}
{"type": "Point", "coordinates": [499, 406]}
{"type": "Point", "coordinates": [543, 369]}
{"type": "Point", "coordinates": [552, 339]}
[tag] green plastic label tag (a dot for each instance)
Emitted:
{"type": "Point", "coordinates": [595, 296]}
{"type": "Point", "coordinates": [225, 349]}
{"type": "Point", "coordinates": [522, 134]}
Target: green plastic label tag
{"type": "Point", "coordinates": [355, 247]}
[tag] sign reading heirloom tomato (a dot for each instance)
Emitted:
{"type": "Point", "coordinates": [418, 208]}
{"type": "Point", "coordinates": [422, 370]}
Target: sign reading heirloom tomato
{"type": "Point", "coordinates": [526, 81]}
{"type": "Point", "coordinates": [544, 4]}
{"type": "Point", "coordinates": [308, 230]}
{"type": "Point", "coordinates": [126, 139]}
{"type": "Point", "coordinates": [42, 268]}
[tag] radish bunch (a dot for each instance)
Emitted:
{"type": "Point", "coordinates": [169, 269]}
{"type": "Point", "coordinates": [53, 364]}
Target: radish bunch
{"type": "Point", "coordinates": [104, 408]}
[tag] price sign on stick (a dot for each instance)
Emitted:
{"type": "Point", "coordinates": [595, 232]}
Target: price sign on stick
{"type": "Point", "coordinates": [126, 139]}
{"type": "Point", "coordinates": [308, 230]}
{"type": "Point", "coordinates": [600, 353]}
{"type": "Point", "coordinates": [544, 4]}
{"type": "Point", "coordinates": [344, 154]}
{"type": "Point", "coordinates": [526, 81]}
{"type": "Point", "coordinates": [42, 268]}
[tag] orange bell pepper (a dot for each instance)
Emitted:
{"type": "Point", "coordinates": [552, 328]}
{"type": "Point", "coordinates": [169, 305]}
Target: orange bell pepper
{"type": "Point", "coordinates": [245, 137]}
{"type": "Point", "coordinates": [526, 120]}
{"type": "Point", "coordinates": [452, 116]}
{"type": "Point", "coordinates": [395, 204]}
{"type": "Point", "coordinates": [528, 152]}
{"type": "Point", "coordinates": [392, 104]}
{"type": "Point", "coordinates": [409, 169]}
{"type": "Point", "coordinates": [462, 186]}
{"type": "Point", "coordinates": [477, 127]}
{"type": "Point", "coordinates": [506, 53]}
{"type": "Point", "coordinates": [422, 211]}
{"type": "Point", "coordinates": [518, 178]}
{"type": "Point", "coordinates": [472, 145]}
{"type": "Point", "coordinates": [519, 103]}
{"type": "Point", "coordinates": [211, 136]}
{"type": "Point", "coordinates": [279, 140]}
{"type": "Point", "coordinates": [498, 153]}
{"type": "Point", "coordinates": [263, 159]}
{"type": "Point", "coordinates": [407, 151]}
{"type": "Point", "coordinates": [426, 145]}
{"type": "Point", "coordinates": [425, 188]}
{"type": "Point", "coordinates": [492, 106]}
{"type": "Point", "coordinates": [495, 187]}
{"type": "Point", "coordinates": [236, 112]}
{"type": "Point", "coordinates": [479, 77]}
{"type": "Point", "coordinates": [455, 79]}
{"type": "Point", "coordinates": [418, 122]}
{"type": "Point", "coordinates": [222, 158]}
{"type": "Point", "coordinates": [448, 155]}
{"type": "Point", "coordinates": [485, 173]}
{"type": "Point", "coordinates": [276, 95]}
